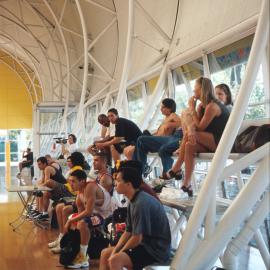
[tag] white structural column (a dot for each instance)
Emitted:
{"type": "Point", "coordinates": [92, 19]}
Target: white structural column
{"type": "Point", "coordinates": [154, 98]}
{"type": "Point", "coordinates": [187, 246]}
{"type": "Point", "coordinates": [206, 70]}
{"type": "Point", "coordinates": [207, 252]}
{"type": "Point", "coordinates": [126, 65]}
{"type": "Point", "coordinates": [36, 136]}
{"type": "Point", "coordinates": [85, 69]}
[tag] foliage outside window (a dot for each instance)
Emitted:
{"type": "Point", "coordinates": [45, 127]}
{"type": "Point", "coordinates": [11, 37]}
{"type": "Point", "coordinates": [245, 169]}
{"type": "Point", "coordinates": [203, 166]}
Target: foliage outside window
{"type": "Point", "coordinates": [19, 141]}
{"type": "Point", "coordinates": [228, 65]}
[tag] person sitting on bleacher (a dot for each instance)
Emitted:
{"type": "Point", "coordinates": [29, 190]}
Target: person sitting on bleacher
{"type": "Point", "coordinates": [53, 162]}
{"type": "Point", "coordinates": [164, 141]}
{"type": "Point", "coordinates": [70, 146]}
{"type": "Point", "coordinates": [27, 161]}
{"type": "Point", "coordinates": [147, 238]}
{"type": "Point", "coordinates": [107, 134]}
{"type": "Point", "coordinates": [63, 210]}
{"type": "Point", "coordinates": [126, 135]}
{"type": "Point", "coordinates": [224, 95]}
{"type": "Point", "coordinates": [50, 176]}
{"type": "Point", "coordinates": [202, 128]}
{"type": "Point", "coordinates": [93, 203]}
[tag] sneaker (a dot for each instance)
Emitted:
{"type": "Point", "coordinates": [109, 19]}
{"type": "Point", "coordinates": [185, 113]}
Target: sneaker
{"type": "Point", "coordinates": [54, 243]}
{"type": "Point", "coordinates": [34, 213]}
{"type": "Point", "coordinates": [56, 250]}
{"type": "Point", "coordinates": [42, 217]}
{"type": "Point", "coordinates": [81, 261]}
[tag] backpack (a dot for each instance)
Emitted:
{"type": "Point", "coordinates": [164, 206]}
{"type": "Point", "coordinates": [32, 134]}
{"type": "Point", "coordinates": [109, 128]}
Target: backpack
{"type": "Point", "coordinates": [96, 244]}
{"type": "Point", "coordinates": [118, 224]}
{"type": "Point", "coordinates": [70, 247]}
{"type": "Point", "coordinates": [252, 138]}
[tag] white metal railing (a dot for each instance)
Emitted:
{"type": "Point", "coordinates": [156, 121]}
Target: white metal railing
{"type": "Point", "coordinates": [189, 255]}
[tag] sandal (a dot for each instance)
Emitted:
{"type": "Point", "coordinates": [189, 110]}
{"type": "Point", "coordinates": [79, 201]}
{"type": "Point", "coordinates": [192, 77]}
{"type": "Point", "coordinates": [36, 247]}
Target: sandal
{"type": "Point", "coordinates": [188, 190]}
{"type": "Point", "coordinates": [171, 174]}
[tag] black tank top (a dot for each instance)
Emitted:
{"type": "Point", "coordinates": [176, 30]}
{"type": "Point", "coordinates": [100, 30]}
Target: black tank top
{"type": "Point", "coordinates": [58, 176]}
{"type": "Point", "coordinates": [217, 125]}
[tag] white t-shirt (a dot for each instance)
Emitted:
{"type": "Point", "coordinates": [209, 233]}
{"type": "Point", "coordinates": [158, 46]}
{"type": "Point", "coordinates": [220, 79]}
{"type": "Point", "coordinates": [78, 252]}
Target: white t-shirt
{"type": "Point", "coordinates": [110, 130]}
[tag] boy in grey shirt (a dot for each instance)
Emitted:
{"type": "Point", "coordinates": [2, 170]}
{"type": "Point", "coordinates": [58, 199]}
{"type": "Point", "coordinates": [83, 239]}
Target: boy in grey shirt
{"type": "Point", "coordinates": [147, 237]}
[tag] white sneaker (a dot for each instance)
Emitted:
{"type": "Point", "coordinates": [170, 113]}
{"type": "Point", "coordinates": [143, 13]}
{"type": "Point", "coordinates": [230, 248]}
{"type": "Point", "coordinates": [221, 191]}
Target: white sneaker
{"type": "Point", "coordinates": [56, 250]}
{"type": "Point", "coordinates": [81, 261]}
{"type": "Point", "coordinates": [54, 243]}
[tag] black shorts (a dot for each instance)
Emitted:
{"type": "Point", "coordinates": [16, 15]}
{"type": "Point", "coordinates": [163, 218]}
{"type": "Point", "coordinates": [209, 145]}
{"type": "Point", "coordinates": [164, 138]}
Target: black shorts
{"type": "Point", "coordinates": [119, 147]}
{"type": "Point", "coordinates": [140, 257]}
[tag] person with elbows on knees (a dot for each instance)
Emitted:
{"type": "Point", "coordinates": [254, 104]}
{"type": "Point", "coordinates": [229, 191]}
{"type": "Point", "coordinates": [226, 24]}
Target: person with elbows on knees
{"type": "Point", "coordinates": [147, 238]}
{"type": "Point", "coordinates": [126, 135]}
{"type": "Point", "coordinates": [93, 203]}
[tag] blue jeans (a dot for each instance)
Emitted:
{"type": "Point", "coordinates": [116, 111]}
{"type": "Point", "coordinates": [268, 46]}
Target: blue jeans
{"type": "Point", "coordinates": [164, 145]}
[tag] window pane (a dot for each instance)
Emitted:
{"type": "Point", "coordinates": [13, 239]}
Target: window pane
{"type": "Point", "coordinates": [2, 146]}
{"type": "Point", "coordinates": [13, 146]}
{"type": "Point", "coordinates": [135, 103]}
{"type": "Point", "coordinates": [187, 73]}
{"type": "Point", "coordinates": [228, 65]}
{"type": "Point", "coordinates": [150, 85]}
{"type": "Point", "coordinates": [2, 157]}
{"type": "Point", "coordinates": [14, 157]}
{"type": "Point", "coordinates": [90, 118]}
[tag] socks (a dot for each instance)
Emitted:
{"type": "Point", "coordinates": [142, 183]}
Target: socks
{"type": "Point", "coordinates": [84, 249]}
{"type": "Point", "coordinates": [60, 236]}
{"type": "Point", "coordinates": [45, 213]}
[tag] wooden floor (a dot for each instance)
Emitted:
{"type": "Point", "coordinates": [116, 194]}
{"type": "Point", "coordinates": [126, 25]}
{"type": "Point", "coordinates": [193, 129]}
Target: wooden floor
{"type": "Point", "coordinates": [26, 249]}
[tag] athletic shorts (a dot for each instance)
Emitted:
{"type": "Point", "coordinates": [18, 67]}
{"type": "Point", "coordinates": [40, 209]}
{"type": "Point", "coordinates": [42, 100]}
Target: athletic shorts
{"type": "Point", "coordinates": [60, 191]}
{"type": "Point", "coordinates": [94, 221]}
{"type": "Point", "coordinates": [140, 257]}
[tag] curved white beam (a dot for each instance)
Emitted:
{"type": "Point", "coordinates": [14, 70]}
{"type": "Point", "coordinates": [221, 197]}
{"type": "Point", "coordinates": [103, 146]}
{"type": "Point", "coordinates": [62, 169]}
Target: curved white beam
{"type": "Point", "coordinates": [20, 78]}
{"type": "Point", "coordinates": [126, 65]}
{"type": "Point", "coordinates": [26, 72]}
{"type": "Point", "coordinates": [63, 124]}
{"type": "Point", "coordinates": [28, 32]}
{"type": "Point", "coordinates": [34, 11]}
{"type": "Point", "coordinates": [27, 57]}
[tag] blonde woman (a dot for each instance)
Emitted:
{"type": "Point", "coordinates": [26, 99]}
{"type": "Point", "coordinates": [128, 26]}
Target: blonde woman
{"type": "Point", "coordinates": [203, 128]}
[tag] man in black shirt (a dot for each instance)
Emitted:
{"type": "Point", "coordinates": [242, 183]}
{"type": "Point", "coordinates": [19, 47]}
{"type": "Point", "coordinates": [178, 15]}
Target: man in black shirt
{"type": "Point", "coordinates": [126, 135]}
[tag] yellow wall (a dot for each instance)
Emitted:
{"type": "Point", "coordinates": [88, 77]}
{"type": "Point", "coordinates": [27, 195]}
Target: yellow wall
{"type": "Point", "coordinates": [15, 103]}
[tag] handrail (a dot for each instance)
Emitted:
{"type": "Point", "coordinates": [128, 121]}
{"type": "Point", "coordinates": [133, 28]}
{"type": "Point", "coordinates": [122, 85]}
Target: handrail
{"type": "Point", "coordinates": [202, 204]}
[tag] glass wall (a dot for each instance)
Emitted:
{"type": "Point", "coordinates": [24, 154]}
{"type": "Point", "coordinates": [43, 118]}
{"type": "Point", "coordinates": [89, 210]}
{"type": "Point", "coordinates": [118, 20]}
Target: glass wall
{"type": "Point", "coordinates": [228, 65]}
{"type": "Point", "coordinates": [19, 141]}
{"type": "Point", "coordinates": [135, 103]}
{"type": "Point", "coordinates": [184, 80]}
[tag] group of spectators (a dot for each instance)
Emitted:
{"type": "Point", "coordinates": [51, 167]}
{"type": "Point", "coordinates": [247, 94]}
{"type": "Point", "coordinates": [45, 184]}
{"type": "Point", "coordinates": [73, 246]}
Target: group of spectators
{"type": "Point", "coordinates": [147, 237]}
{"type": "Point", "coordinates": [198, 129]}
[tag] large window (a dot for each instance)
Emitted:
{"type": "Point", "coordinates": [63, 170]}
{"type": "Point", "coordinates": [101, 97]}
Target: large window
{"type": "Point", "coordinates": [184, 80]}
{"type": "Point", "coordinates": [228, 65]}
{"type": "Point", "coordinates": [90, 118]}
{"type": "Point", "coordinates": [151, 85]}
{"type": "Point", "coordinates": [135, 103]}
{"type": "Point", "coordinates": [19, 141]}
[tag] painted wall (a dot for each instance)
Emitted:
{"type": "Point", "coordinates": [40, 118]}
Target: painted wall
{"type": "Point", "coordinates": [15, 102]}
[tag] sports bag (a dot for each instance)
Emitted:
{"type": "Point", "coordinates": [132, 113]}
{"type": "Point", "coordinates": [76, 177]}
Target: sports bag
{"type": "Point", "coordinates": [70, 247]}
{"type": "Point", "coordinates": [252, 138]}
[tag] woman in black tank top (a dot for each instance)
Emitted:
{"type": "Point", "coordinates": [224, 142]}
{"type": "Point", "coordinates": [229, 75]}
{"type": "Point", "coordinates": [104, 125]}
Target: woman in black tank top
{"type": "Point", "coordinates": [202, 128]}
